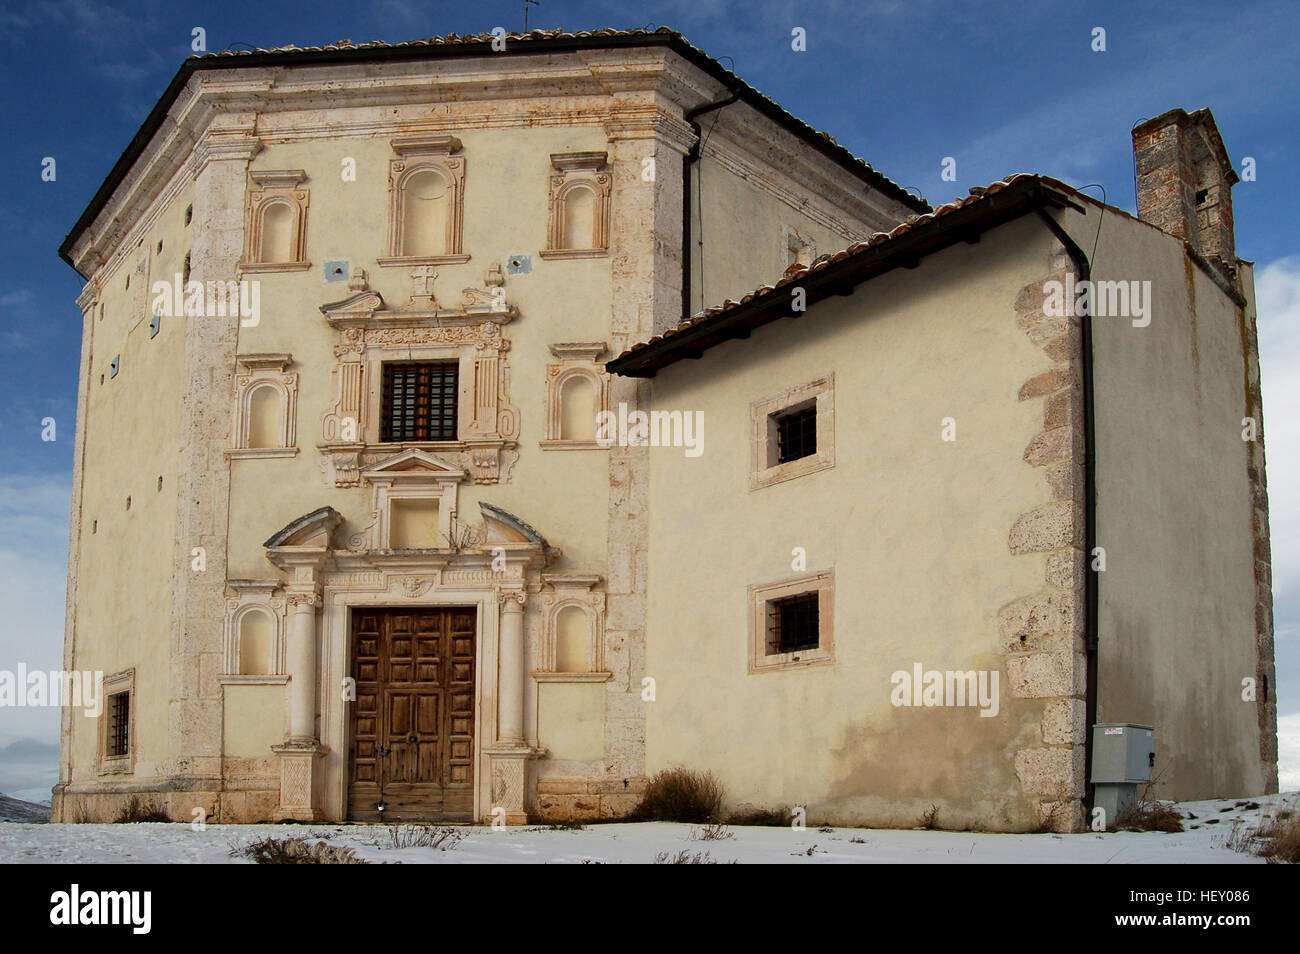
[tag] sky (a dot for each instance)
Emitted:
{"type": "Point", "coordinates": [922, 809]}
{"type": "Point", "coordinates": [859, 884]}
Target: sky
{"type": "Point", "coordinates": [999, 87]}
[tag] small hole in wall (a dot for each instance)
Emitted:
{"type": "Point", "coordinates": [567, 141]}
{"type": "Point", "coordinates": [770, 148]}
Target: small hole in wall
{"type": "Point", "coordinates": [516, 263]}
{"type": "Point", "coordinates": [128, 503]}
{"type": "Point", "coordinates": [160, 482]}
{"type": "Point", "coordinates": [189, 214]}
{"type": "Point", "coordinates": [1201, 196]}
{"type": "Point", "coordinates": [160, 246]}
{"type": "Point", "coordinates": [94, 526]}
{"type": "Point", "coordinates": [338, 270]}
{"type": "Point", "coordinates": [101, 379]}
{"type": "Point", "coordinates": [127, 286]}
{"type": "Point", "coordinates": [185, 268]}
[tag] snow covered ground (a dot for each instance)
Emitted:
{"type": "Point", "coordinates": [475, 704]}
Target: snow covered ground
{"type": "Point", "coordinates": [1204, 841]}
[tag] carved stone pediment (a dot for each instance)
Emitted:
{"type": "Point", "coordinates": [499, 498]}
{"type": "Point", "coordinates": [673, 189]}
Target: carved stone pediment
{"type": "Point", "coordinates": [354, 310]}
{"type": "Point", "coordinates": [366, 309]}
{"type": "Point", "coordinates": [411, 467]}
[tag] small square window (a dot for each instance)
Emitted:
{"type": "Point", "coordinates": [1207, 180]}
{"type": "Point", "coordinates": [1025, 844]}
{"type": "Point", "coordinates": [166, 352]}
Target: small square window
{"type": "Point", "coordinates": [792, 434]}
{"type": "Point", "coordinates": [792, 623]}
{"type": "Point", "coordinates": [117, 738]}
{"type": "Point", "coordinates": [796, 432]}
{"type": "Point", "coordinates": [419, 401]}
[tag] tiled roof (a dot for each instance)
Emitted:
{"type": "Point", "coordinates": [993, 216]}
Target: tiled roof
{"type": "Point", "coordinates": [486, 39]}
{"type": "Point", "coordinates": [469, 44]}
{"type": "Point", "coordinates": [800, 275]}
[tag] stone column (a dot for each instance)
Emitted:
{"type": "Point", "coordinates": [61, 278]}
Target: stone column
{"type": "Point", "coordinates": [510, 724]}
{"type": "Point", "coordinates": [511, 752]}
{"type": "Point", "coordinates": [300, 656]}
{"type": "Point", "coordinates": [298, 754]}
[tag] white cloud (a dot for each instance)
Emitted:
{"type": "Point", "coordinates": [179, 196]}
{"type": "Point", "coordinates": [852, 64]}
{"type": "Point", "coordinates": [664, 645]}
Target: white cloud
{"type": "Point", "coordinates": [33, 573]}
{"type": "Point", "coordinates": [1288, 753]}
{"type": "Point", "coordinates": [1277, 292]}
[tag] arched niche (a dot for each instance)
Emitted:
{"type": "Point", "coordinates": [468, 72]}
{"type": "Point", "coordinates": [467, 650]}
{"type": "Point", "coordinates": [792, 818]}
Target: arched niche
{"type": "Point", "coordinates": [256, 629]}
{"type": "Point", "coordinates": [426, 207]}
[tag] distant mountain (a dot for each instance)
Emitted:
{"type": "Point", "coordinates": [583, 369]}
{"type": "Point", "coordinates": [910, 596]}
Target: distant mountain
{"type": "Point", "coordinates": [17, 810]}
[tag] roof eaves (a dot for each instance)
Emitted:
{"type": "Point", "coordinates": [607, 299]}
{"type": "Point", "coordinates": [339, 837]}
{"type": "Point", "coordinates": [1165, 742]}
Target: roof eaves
{"type": "Point", "coordinates": [452, 45]}
{"type": "Point", "coordinates": [838, 274]}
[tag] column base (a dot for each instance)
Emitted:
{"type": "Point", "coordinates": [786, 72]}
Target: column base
{"type": "Point", "coordinates": [298, 797]}
{"type": "Point", "coordinates": [509, 784]}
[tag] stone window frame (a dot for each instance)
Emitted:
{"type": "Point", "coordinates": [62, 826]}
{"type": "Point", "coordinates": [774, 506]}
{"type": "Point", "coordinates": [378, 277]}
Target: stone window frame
{"type": "Point", "coordinates": [265, 371]}
{"type": "Point", "coordinates": [762, 437]}
{"type": "Point", "coordinates": [370, 334]}
{"type": "Point", "coordinates": [577, 359]}
{"type": "Point", "coordinates": [276, 187]}
{"type": "Point", "coordinates": [565, 591]}
{"type": "Point", "coordinates": [823, 583]}
{"type": "Point", "coordinates": [418, 153]}
{"type": "Point", "coordinates": [250, 596]}
{"type": "Point", "coordinates": [578, 170]}
{"type": "Point", "coordinates": [123, 681]}
{"type": "Point", "coordinates": [392, 481]}
{"type": "Point", "coordinates": [371, 428]}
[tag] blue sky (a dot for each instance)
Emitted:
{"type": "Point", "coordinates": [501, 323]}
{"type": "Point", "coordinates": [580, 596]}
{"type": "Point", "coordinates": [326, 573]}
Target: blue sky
{"type": "Point", "coordinates": [1000, 87]}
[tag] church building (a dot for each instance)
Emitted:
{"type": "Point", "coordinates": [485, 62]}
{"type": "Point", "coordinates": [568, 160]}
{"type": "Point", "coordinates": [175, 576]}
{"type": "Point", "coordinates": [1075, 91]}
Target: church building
{"type": "Point", "coordinates": [470, 428]}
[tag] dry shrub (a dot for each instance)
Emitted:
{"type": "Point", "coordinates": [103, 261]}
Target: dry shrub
{"type": "Point", "coordinates": [716, 832]}
{"type": "Point", "coordinates": [680, 795]}
{"type": "Point", "coordinates": [1281, 839]}
{"type": "Point", "coordinates": [138, 810]}
{"type": "Point", "coordinates": [684, 857]}
{"type": "Point", "coordinates": [295, 851]}
{"type": "Point", "coordinates": [930, 818]}
{"type": "Point", "coordinates": [421, 836]}
{"type": "Point", "coordinates": [1150, 816]}
{"type": "Point", "coordinates": [762, 817]}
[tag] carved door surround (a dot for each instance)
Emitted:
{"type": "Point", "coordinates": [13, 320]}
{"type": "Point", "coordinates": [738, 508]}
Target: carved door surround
{"type": "Point", "coordinates": [470, 333]}
{"type": "Point", "coordinates": [495, 568]}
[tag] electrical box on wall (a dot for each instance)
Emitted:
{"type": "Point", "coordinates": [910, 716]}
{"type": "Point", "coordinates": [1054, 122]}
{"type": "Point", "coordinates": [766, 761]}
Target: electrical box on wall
{"type": "Point", "coordinates": [1122, 752]}
{"type": "Point", "coordinates": [1123, 755]}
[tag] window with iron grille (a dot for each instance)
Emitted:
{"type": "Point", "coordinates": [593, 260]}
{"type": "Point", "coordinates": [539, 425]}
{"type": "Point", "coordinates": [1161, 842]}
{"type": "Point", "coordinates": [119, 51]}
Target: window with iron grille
{"type": "Point", "coordinates": [117, 740]}
{"type": "Point", "coordinates": [792, 623]}
{"type": "Point", "coordinates": [796, 432]}
{"type": "Point", "coordinates": [419, 401]}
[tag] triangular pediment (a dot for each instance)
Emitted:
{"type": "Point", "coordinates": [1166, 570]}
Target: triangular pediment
{"type": "Point", "coordinates": [413, 465]}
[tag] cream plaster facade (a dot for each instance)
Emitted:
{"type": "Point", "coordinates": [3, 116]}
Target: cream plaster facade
{"type": "Point", "coordinates": [618, 592]}
{"type": "Point", "coordinates": [293, 536]}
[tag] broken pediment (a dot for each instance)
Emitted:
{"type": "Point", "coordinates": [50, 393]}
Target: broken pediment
{"type": "Point", "coordinates": [310, 530]}
{"type": "Point", "coordinates": [504, 527]}
{"type": "Point", "coordinates": [356, 309]}
{"type": "Point", "coordinates": [367, 309]}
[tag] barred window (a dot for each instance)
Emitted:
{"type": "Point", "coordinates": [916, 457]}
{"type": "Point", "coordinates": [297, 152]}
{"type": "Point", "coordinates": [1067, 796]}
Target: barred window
{"type": "Point", "coordinates": [796, 432]}
{"type": "Point", "coordinates": [792, 623]}
{"type": "Point", "coordinates": [117, 740]}
{"type": "Point", "coordinates": [419, 401]}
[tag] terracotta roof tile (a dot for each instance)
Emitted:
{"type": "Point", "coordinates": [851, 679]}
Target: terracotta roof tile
{"type": "Point", "coordinates": [875, 239]}
{"type": "Point", "coordinates": [451, 39]}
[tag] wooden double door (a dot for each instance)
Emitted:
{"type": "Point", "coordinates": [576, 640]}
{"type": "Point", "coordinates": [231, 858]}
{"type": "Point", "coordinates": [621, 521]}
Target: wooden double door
{"type": "Point", "coordinates": [413, 718]}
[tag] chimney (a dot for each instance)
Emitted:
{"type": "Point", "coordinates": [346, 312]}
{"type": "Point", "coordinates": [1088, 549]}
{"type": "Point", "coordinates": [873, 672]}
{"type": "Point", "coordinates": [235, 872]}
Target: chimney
{"type": "Point", "coordinates": [1184, 183]}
